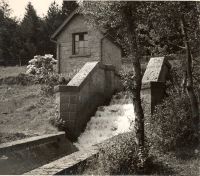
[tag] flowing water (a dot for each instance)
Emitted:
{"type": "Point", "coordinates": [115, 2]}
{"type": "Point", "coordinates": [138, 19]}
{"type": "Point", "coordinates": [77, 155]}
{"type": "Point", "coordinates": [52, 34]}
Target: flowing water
{"type": "Point", "coordinates": [108, 121]}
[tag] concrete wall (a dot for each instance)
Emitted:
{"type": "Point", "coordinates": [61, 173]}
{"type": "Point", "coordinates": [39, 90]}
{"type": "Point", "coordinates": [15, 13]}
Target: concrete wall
{"type": "Point", "coordinates": [72, 164]}
{"type": "Point", "coordinates": [91, 87]}
{"type": "Point", "coordinates": [21, 156]}
{"type": "Point", "coordinates": [111, 54]}
{"type": "Point", "coordinates": [153, 83]}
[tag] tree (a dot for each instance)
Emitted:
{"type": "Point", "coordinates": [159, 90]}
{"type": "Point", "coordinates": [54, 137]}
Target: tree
{"type": "Point", "coordinates": [8, 35]}
{"type": "Point", "coordinates": [51, 22]}
{"type": "Point", "coordinates": [188, 76]}
{"type": "Point", "coordinates": [29, 29]}
{"type": "Point", "coordinates": [54, 18]}
{"type": "Point", "coordinates": [5, 9]}
{"type": "Point", "coordinates": [68, 7]}
{"type": "Point", "coordinates": [181, 19]}
{"type": "Point", "coordinates": [128, 19]}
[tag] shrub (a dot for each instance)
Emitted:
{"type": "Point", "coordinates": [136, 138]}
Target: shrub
{"type": "Point", "coordinates": [119, 155]}
{"type": "Point", "coordinates": [170, 127]}
{"type": "Point", "coordinates": [127, 80]}
{"type": "Point", "coordinates": [42, 67]}
{"type": "Point", "coordinates": [50, 81]}
{"type": "Point", "coordinates": [56, 121]}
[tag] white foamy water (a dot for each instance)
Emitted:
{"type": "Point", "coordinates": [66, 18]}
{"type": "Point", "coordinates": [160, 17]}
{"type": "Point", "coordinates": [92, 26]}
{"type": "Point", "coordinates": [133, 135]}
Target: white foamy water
{"type": "Point", "coordinates": [108, 121]}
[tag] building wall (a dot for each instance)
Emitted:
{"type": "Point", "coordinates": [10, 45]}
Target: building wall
{"type": "Point", "coordinates": [69, 62]}
{"type": "Point", "coordinates": [111, 54]}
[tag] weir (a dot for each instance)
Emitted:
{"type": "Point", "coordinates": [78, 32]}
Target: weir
{"type": "Point", "coordinates": [109, 121]}
{"type": "Point", "coordinates": [91, 87]}
{"type": "Point", "coordinates": [82, 106]}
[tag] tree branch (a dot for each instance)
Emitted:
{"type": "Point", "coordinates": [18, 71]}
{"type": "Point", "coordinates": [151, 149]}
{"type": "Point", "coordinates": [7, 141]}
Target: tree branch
{"type": "Point", "coordinates": [182, 47]}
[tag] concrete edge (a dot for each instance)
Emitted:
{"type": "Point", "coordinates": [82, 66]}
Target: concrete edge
{"type": "Point", "coordinates": [29, 142]}
{"type": "Point", "coordinates": [76, 88]}
{"type": "Point", "coordinates": [87, 74]}
{"type": "Point", "coordinates": [64, 164]}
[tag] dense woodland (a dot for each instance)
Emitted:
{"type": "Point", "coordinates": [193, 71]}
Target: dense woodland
{"type": "Point", "coordinates": [21, 40]}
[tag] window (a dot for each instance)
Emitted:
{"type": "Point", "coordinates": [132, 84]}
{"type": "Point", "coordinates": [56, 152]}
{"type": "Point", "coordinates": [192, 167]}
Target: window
{"type": "Point", "coordinates": [80, 44]}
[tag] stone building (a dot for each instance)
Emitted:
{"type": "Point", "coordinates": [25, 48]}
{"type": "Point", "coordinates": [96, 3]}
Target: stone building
{"type": "Point", "coordinates": [77, 43]}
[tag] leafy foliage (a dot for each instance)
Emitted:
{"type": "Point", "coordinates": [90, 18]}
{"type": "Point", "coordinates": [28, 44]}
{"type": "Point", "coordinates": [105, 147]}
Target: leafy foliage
{"type": "Point", "coordinates": [171, 126]}
{"type": "Point", "coordinates": [58, 122]}
{"type": "Point", "coordinates": [43, 69]}
{"type": "Point", "coordinates": [8, 34]}
{"type": "Point", "coordinates": [21, 40]}
{"type": "Point", "coordinates": [68, 7]}
{"type": "Point", "coordinates": [119, 156]}
{"type": "Point", "coordinates": [41, 65]}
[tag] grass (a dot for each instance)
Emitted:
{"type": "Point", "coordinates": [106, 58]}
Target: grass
{"type": "Point", "coordinates": [11, 71]}
{"type": "Point", "coordinates": [185, 161]}
{"type": "Point", "coordinates": [24, 112]}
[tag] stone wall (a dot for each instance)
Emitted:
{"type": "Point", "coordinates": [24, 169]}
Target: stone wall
{"type": "Point", "coordinates": [21, 156]}
{"type": "Point", "coordinates": [153, 83]}
{"type": "Point", "coordinates": [91, 87]}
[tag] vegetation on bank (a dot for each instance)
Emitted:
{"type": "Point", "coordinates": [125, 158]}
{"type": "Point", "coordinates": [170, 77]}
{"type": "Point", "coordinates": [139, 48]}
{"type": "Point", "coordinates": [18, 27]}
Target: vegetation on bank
{"type": "Point", "coordinates": [27, 101]}
{"type": "Point", "coordinates": [171, 145]}
{"type": "Point", "coordinates": [172, 133]}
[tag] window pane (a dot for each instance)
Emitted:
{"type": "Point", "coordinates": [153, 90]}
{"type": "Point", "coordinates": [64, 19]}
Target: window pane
{"type": "Point", "coordinates": [81, 44]}
{"type": "Point", "coordinates": [81, 37]}
{"type": "Point", "coordinates": [85, 36]}
{"type": "Point", "coordinates": [76, 47]}
{"type": "Point", "coordinates": [76, 37]}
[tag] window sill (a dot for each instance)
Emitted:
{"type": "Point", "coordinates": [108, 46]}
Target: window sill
{"type": "Point", "coordinates": [74, 56]}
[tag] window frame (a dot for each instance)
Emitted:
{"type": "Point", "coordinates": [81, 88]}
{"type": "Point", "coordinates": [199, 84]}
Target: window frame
{"type": "Point", "coordinates": [74, 43]}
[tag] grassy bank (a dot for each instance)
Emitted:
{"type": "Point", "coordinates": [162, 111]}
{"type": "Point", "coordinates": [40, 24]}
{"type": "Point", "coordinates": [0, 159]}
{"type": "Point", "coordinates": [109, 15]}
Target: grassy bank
{"type": "Point", "coordinates": [24, 112]}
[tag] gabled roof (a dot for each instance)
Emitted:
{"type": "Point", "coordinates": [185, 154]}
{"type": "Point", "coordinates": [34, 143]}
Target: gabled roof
{"type": "Point", "coordinates": [71, 16]}
{"type": "Point", "coordinates": [67, 20]}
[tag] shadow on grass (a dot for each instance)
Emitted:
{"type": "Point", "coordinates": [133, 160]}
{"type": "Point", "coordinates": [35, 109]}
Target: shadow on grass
{"type": "Point", "coordinates": [186, 153]}
{"type": "Point", "coordinates": [158, 167]}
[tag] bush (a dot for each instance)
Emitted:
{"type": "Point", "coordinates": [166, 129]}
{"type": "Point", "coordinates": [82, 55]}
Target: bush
{"type": "Point", "coordinates": [56, 121]}
{"type": "Point", "coordinates": [50, 81]}
{"type": "Point", "coordinates": [170, 127]}
{"type": "Point", "coordinates": [119, 155]}
{"type": "Point", "coordinates": [42, 67]}
{"type": "Point", "coordinates": [127, 78]}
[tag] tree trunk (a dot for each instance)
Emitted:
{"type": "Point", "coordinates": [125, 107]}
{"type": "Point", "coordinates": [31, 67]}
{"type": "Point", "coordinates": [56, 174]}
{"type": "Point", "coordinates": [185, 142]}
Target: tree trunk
{"type": "Point", "coordinates": [189, 83]}
{"type": "Point", "coordinates": [137, 76]}
{"type": "Point", "coordinates": [139, 115]}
